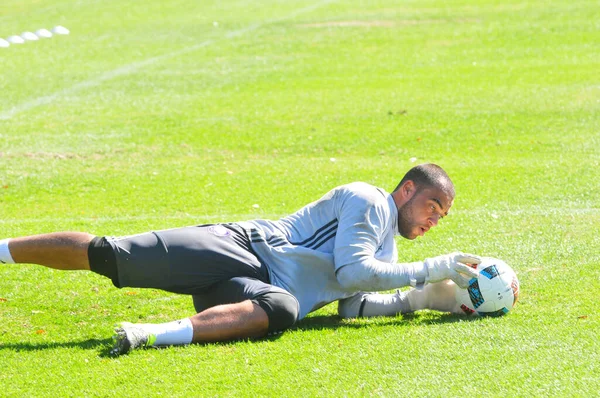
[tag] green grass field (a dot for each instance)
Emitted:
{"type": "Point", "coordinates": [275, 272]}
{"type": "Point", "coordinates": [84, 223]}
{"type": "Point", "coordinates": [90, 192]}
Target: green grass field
{"type": "Point", "coordinates": [155, 114]}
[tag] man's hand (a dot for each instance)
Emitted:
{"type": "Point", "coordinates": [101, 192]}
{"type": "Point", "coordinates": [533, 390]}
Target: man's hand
{"type": "Point", "coordinates": [452, 266]}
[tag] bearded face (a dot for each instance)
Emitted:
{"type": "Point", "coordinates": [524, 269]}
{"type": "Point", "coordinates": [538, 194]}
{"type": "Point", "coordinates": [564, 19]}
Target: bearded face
{"type": "Point", "coordinates": [423, 211]}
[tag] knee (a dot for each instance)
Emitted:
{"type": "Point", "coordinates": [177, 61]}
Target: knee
{"type": "Point", "coordinates": [281, 307]}
{"type": "Point", "coordinates": [201, 302]}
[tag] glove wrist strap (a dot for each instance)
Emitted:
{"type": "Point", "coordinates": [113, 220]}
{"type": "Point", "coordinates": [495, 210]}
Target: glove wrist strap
{"type": "Point", "coordinates": [420, 274]}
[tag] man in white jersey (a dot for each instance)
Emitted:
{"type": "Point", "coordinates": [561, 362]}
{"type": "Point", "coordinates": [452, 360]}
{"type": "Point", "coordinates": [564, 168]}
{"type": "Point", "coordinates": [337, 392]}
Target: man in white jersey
{"type": "Point", "coordinates": [250, 278]}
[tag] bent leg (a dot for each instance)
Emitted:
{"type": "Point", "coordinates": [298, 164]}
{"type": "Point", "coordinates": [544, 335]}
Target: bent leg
{"type": "Point", "coordinates": [230, 322]}
{"type": "Point", "coordinates": [281, 307]}
{"type": "Point", "coordinates": [247, 308]}
{"type": "Point", "coordinates": [220, 323]}
{"type": "Point", "coordinates": [59, 250]}
{"type": "Point", "coordinates": [234, 309]}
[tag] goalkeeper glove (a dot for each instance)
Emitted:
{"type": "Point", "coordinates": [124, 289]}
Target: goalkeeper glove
{"type": "Point", "coordinates": [452, 266]}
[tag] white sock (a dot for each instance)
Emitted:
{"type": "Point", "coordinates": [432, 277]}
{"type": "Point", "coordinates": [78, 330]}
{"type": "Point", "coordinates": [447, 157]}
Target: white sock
{"type": "Point", "coordinates": [385, 304]}
{"type": "Point", "coordinates": [439, 296]}
{"type": "Point", "coordinates": [373, 304]}
{"type": "Point", "coordinates": [5, 257]}
{"type": "Point", "coordinates": [171, 333]}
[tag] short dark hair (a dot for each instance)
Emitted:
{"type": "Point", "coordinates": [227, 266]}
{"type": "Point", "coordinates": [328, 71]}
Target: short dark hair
{"type": "Point", "coordinates": [428, 175]}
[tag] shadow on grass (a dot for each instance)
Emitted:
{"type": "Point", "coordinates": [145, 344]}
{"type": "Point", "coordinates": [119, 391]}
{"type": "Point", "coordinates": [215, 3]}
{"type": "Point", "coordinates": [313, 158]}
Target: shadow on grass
{"type": "Point", "coordinates": [421, 318]}
{"type": "Point", "coordinates": [319, 322]}
{"type": "Point", "coordinates": [90, 344]}
{"type": "Point", "coordinates": [436, 318]}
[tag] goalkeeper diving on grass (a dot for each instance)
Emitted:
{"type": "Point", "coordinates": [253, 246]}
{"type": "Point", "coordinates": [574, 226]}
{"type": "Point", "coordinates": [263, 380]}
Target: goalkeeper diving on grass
{"type": "Point", "coordinates": [251, 278]}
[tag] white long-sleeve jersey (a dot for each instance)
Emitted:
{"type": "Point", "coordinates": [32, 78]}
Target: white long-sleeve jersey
{"type": "Point", "coordinates": [353, 227]}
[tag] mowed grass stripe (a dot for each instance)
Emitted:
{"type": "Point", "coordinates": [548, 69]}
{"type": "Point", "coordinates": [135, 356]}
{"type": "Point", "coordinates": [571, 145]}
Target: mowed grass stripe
{"type": "Point", "coordinates": [135, 66]}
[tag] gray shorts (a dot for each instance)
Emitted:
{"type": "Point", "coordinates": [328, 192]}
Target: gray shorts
{"type": "Point", "coordinates": [214, 263]}
{"type": "Point", "coordinates": [186, 260]}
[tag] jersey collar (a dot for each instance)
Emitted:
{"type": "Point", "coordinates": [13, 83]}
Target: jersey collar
{"type": "Point", "coordinates": [393, 214]}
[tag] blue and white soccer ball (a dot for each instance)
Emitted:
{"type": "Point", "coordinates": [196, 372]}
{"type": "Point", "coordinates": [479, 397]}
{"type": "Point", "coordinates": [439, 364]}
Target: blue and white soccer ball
{"type": "Point", "coordinates": [493, 293]}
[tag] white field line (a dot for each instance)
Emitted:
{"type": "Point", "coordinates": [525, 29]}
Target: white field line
{"type": "Point", "coordinates": [199, 219]}
{"type": "Point", "coordinates": [135, 66]}
{"type": "Point", "coordinates": [124, 70]}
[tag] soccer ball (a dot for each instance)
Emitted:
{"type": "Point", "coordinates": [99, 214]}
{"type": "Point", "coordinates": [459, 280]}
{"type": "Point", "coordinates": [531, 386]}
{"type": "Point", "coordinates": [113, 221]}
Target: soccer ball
{"type": "Point", "coordinates": [493, 293]}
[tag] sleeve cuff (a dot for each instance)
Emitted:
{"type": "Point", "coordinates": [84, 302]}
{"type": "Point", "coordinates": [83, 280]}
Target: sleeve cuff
{"type": "Point", "coordinates": [419, 274]}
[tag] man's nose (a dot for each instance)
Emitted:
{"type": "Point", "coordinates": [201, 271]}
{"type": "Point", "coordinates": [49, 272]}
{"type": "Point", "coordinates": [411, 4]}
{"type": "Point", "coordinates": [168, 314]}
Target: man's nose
{"type": "Point", "coordinates": [433, 220]}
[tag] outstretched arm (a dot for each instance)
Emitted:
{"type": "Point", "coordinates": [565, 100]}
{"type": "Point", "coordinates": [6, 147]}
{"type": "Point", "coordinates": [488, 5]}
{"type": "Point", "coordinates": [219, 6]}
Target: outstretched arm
{"type": "Point", "coordinates": [363, 228]}
{"type": "Point", "coordinates": [368, 273]}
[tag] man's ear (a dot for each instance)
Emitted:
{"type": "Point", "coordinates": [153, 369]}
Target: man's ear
{"type": "Point", "coordinates": [407, 189]}
{"type": "Point", "coordinates": [404, 193]}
